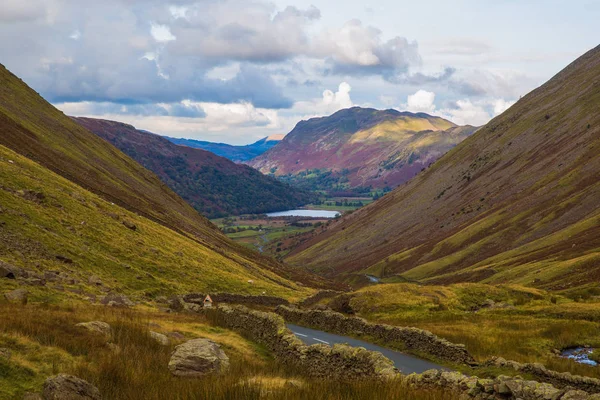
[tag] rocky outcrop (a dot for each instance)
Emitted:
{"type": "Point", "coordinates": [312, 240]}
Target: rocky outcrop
{"type": "Point", "coordinates": [8, 271]}
{"type": "Point", "coordinates": [413, 339]}
{"type": "Point", "coordinates": [502, 387]}
{"type": "Point", "coordinates": [198, 357]}
{"type": "Point", "coordinates": [558, 379]}
{"type": "Point", "coordinates": [337, 362]}
{"type": "Point", "coordinates": [68, 387]}
{"type": "Point", "coordinates": [97, 327]}
{"type": "Point", "coordinates": [233, 298]}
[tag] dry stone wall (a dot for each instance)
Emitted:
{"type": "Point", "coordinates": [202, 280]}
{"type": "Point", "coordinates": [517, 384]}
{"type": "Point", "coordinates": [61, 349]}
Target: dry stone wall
{"type": "Point", "coordinates": [558, 379]}
{"type": "Point", "coordinates": [503, 387]}
{"type": "Point", "coordinates": [233, 298]}
{"type": "Point", "coordinates": [268, 329]}
{"type": "Point", "coordinates": [413, 339]}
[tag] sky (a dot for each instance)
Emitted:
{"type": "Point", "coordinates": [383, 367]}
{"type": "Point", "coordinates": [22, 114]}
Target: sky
{"type": "Point", "coordinates": [235, 71]}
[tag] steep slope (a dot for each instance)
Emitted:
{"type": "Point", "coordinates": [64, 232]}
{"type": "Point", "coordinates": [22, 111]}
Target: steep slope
{"type": "Point", "coordinates": [31, 127]}
{"type": "Point", "coordinates": [213, 185]}
{"type": "Point", "coordinates": [519, 201]}
{"type": "Point", "coordinates": [359, 148]}
{"type": "Point", "coordinates": [231, 152]}
{"type": "Point", "coordinates": [48, 223]}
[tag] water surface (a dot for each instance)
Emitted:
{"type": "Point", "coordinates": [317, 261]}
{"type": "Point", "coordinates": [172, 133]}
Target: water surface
{"type": "Point", "coordinates": [305, 213]}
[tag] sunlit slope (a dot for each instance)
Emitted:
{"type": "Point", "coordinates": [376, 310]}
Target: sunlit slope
{"type": "Point", "coordinates": [519, 201]}
{"type": "Point", "coordinates": [34, 128]}
{"type": "Point", "coordinates": [43, 215]}
{"type": "Point", "coordinates": [361, 148]}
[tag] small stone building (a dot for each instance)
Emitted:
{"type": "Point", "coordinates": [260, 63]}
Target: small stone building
{"type": "Point", "coordinates": [207, 302]}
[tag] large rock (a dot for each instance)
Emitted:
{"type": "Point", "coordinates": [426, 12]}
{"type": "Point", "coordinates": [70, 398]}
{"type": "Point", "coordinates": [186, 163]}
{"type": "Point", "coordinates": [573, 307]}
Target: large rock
{"type": "Point", "coordinates": [96, 327]}
{"type": "Point", "coordinates": [17, 295]}
{"type": "Point", "coordinates": [8, 271]}
{"type": "Point", "coordinates": [68, 387]}
{"type": "Point", "coordinates": [116, 300]}
{"type": "Point", "coordinates": [198, 357]}
{"type": "Point", "coordinates": [159, 338]}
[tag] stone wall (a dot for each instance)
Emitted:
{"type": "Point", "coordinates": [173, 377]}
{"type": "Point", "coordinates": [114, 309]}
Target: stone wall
{"type": "Point", "coordinates": [558, 379]}
{"type": "Point", "coordinates": [502, 387]}
{"type": "Point", "coordinates": [233, 298]}
{"type": "Point", "coordinates": [268, 329]}
{"type": "Point", "coordinates": [412, 339]}
{"type": "Point", "coordinates": [315, 298]}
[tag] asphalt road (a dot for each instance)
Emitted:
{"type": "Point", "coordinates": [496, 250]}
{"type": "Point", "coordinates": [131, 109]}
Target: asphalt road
{"type": "Point", "coordinates": [405, 363]}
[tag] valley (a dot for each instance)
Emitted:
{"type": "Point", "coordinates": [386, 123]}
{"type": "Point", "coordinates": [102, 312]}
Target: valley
{"type": "Point", "coordinates": [420, 220]}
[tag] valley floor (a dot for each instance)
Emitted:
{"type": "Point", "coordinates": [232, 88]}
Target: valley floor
{"type": "Point", "coordinates": [44, 341]}
{"type": "Point", "coordinates": [509, 321]}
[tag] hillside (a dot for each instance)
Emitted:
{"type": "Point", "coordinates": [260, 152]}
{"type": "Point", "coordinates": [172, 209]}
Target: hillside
{"type": "Point", "coordinates": [519, 201]}
{"type": "Point", "coordinates": [48, 223]}
{"type": "Point", "coordinates": [33, 128]}
{"type": "Point", "coordinates": [359, 148]}
{"type": "Point", "coordinates": [213, 185]}
{"type": "Point", "coordinates": [231, 152]}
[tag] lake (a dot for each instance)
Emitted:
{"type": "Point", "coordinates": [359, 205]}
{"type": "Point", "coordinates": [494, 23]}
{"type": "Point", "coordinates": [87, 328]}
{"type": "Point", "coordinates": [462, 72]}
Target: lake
{"type": "Point", "coordinates": [305, 213]}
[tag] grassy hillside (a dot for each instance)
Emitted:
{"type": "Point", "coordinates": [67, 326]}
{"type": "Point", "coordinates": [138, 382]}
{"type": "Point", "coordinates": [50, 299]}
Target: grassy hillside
{"type": "Point", "coordinates": [48, 223]}
{"type": "Point", "coordinates": [213, 185]}
{"type": "Point", "coordinates": [519, 201]}
{"type": "Point", "coordinates": [360, 148]}
{"type": "Point", "coordinates": [32, 127]}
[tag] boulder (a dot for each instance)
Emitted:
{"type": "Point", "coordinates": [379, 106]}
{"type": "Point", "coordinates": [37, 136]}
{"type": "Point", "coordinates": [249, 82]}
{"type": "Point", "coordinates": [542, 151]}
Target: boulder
{"type": "Point", "coordinates": [17, 295]}
{"type": "Point", "coordinates": [198, 357]}
{"type": "Point", "coordinates": [94, 280]}
{"type": "Point", "coordinates": [130, 225]}
{"type": "Point", "coordinates": [68, 387]}
{"type": "Point", "coordinates": [96, 327]}
{"type": "Point", "coordinates": [8, 271]}
{"type": "Point", "coordinates": [116, 300]}
{"type": "Point", "coordinates": [159, 338]}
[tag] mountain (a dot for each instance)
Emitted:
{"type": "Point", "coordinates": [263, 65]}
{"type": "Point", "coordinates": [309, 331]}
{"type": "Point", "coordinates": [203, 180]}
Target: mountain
{"type": "Point", "coordinates": [71, 200]}
{"type": "Point", "coordinates": [518, 201]}
{"type": "Point", "coordinates": [213, 185]}
{"type": "Point", "coordinates": [234, 153]}
{"type": "Point", "coordinates": [359, 148]}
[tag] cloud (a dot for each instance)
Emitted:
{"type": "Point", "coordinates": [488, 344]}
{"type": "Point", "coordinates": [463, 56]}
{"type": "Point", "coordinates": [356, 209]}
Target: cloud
{"type": "Point", "coordinates": [329, 103]}
{"type": "Point", "coordinates": [355, 49]}
{"type": "Point", "coordinates": [421, 101]}
{"type": "Point", "coordinates": [161, 33]}
{"type": "Point", "coordinates": [16, 11]}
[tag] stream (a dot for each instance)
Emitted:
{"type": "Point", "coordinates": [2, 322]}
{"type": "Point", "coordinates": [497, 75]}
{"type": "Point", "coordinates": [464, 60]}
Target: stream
{"type": "Point", "coordinates": [580, 355]}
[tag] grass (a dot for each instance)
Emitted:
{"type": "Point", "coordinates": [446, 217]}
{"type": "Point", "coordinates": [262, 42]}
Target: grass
{"type": "Point", "coordinates": [526, 325]}
{"type": "Point", "coordinates": [146, 262]}
{"type": "Point", "coordinates": [45, 341]}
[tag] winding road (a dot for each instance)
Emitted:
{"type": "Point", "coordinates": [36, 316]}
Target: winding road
{"type": "Point", "coordinates": [407, 364]}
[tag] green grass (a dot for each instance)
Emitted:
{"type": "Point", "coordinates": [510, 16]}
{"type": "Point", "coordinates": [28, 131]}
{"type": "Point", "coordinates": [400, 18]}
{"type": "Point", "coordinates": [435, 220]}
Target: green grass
{"type": "Point", "coordinates": [526, 325]}
{"type": "Point", "coordinates": [72, 222]}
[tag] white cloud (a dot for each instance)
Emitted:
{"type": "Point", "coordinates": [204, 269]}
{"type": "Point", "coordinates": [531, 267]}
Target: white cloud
{"type": "Point", "coordinates": [502, 105]}
{"type": "Point", "coordinates": [421, 101]}
{"type": "Point", "coordinates": [161, 33]}
{"type": "Point", "coordinates": [76, 35]}
{"type": "Point", "coordinates": [329, 103]}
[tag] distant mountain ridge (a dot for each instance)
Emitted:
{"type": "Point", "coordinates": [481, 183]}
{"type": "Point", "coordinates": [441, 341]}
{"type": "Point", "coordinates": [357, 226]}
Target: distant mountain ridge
{"type": "Point", "coordinates": [359, 148]}
{"type": "Point", "coordinates": [214, 185]}
{"type": "Point", "coordinates": [517, 202]}
{"type": "Point", "coordinates": [231, 152]}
